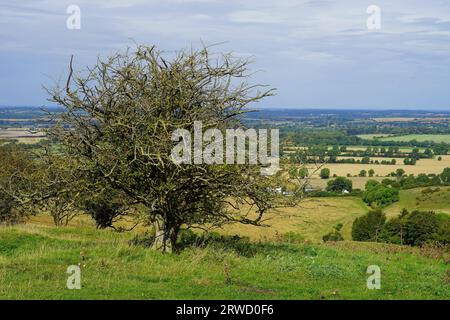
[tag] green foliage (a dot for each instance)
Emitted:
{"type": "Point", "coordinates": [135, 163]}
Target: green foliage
{"type": "Point", "coordinates": [420, 227]}
{"type": "Point", "coordinates": [416, 229]}
{"type": "Point", "coordinates": [445, 176]}
{"type": "Point", "coordinates": [379, 195]}
{"type": "Point", "coordinates": [339, 185]}
{"type": "Point", "coordinates": [103, 209]}
{"type": "Point", "coordinates": [369, 226]}
{"type": "Point", "coordinates": [325, 173]}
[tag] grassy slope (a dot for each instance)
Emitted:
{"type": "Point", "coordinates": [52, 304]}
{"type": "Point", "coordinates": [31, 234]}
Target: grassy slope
{"type": "Point", "coordinates": [33, 262]}
{"type": "Point", "coordinates": [312, 219]}
{"type": "Point", "coordinates": [414, 200]}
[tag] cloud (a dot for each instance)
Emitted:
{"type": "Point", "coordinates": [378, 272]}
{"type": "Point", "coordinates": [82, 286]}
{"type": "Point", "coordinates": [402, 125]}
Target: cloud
{"type": "Point", "coordinates": [294, 41]}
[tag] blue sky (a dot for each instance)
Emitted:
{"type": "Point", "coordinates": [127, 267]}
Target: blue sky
{"type": "Point", "coordinates": [316, 53]}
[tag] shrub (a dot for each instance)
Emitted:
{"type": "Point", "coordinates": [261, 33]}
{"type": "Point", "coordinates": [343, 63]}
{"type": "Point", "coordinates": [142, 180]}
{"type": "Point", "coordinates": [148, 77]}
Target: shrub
{"type": "Point", "coordinates": [368, 227]}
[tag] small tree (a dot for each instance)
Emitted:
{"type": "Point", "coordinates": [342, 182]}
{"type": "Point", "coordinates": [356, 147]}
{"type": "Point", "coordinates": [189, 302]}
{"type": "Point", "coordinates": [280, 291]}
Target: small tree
{"type": "Point", "coordinates": [325, 173]}
{"type": "Point", "coordinates": [339, 185]}
{"type": "Point", "coordinates": [363, 173]}
{"type": "Point", "coordinates": [399, 173]}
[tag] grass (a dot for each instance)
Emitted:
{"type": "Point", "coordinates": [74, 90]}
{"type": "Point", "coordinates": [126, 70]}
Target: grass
{"type": "Point", "coordinates": [312, 219]}
{"type": "Point", "coordinates": [414, 199]}
{"type": "Point", "coordinates": [34, 259]}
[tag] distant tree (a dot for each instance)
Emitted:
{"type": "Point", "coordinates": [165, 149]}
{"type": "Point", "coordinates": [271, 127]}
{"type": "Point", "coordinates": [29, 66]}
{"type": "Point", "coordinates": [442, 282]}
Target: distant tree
{"type": "Point", "coordinates": [371, 172]}
{"type": "Point", "coordinates": [325, 173]}
{"type": "Point", "coordinates": [339, 185]}
{"type": "Point", "coordinates": [365, 160]}
{"type": "Point", "coordinates": [379, 195]}
{"type": "Point", "coordinates": [363, 173]}
{"type": "Point", "coordinates": [445, 175]}
{"type": "Point", "coordinates": [399, 173]}
{"type": "Point", "coordinates": [303, 172]}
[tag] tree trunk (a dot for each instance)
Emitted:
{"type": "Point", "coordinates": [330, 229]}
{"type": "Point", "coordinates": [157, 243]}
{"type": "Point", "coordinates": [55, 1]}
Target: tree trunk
{"type": "Point", "coordinates": [166, 236]}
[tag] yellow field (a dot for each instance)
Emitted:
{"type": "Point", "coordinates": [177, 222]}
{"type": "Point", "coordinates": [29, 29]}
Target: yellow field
{"type": "Point", "coordinates": [423, 166]}
{"type": "Point", "coordinates": [312, 219]}
{"type": "Point", "coordinates": [358, 182]}
{"type": "Point", "coordinates": [22, 135]}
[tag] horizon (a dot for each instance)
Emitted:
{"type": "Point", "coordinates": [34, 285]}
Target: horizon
{"type": "Point", "coordinates": [268, 108]}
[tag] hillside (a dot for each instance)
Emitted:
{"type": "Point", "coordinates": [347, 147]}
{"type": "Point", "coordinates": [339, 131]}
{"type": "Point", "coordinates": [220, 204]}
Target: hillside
{"type": "Point", "coordinates": [34, 259]}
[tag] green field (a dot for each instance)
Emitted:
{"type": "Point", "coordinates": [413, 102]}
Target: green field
{"type": "Point", "coordinates": [414, 199]}
{"type": "Point", "coordinates": [405, 138]}
{"type": "Point", "coordinates": [34, 260]}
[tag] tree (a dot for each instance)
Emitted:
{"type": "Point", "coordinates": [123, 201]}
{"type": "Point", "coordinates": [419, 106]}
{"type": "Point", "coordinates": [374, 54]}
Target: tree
{"type": "Point", "coordinates": [379, 195]}
{"type": "Point", "coordinates": [363, 173]}
{"type": "Point", "coordinates": [325, 173]}
{"type": "Point", "coordinates": [420, 227]}
{"type": "Point", "coordinates": [445, 175]}
{"type": "Point", "coordinates": [118, 121]}
{"type": "Point", "coordinates": [16, 164]}
{"type": "Point", "coordinates": [399, 173]}
{"type": "Point", "coordinates": [368, 227]}
{"type": "Point", "coordinates": [371, 173]}
{"type": "Point", "coordinates": [303, 172]}
{"type": "Point", "coordinates": [339, 185]}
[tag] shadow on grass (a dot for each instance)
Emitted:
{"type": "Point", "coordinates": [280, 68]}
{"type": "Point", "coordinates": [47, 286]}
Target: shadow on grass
{"type": "Point", "coordinates": [240, 245]}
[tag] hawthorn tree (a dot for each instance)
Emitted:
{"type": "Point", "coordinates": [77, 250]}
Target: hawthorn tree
{"type": "Point", "coordinates": [117, 124]}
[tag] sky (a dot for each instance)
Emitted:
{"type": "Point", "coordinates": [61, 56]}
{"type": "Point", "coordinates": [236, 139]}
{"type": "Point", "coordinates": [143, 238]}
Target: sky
{"type": "Point", "coordinates": [317, 53]}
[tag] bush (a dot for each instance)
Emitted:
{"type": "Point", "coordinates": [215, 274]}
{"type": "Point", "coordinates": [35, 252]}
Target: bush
{"type": "Point", "coordinates": [369, 226]}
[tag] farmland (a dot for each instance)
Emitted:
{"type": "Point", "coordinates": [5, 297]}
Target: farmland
{"type": "Point", "coordinates": [438, 138]}
{"type": "Point", "coordinates": [288, 249]}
